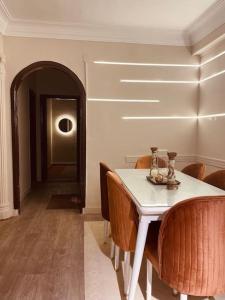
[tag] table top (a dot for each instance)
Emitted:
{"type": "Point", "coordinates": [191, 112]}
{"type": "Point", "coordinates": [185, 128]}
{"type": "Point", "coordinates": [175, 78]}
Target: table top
{"type": "Point", "coordinates": [150, 198]}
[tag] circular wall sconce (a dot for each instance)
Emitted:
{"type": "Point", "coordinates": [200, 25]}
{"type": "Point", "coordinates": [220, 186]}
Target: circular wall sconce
{"type": "Point", "coordinates": [65, 124]}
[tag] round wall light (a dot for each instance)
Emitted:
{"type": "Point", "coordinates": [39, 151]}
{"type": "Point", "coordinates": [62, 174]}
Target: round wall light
{"type": "Point", "coordinates": [65, 124]}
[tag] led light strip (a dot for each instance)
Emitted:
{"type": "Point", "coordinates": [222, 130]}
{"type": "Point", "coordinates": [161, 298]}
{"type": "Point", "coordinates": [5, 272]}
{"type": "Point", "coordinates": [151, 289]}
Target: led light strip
{"type": "Point", "coordinates": [211, 116]}
{"type": "Point", "coordinates": [172, 117]}
{"type": "Point", "coordinates": [158, 81]}
{"type": "Point", "coordinates": [124, 100]}
{"type": "Point", "coordinates": [212, 76]}
{"type": "Point", "coordinates": [102, 62]}
{"type": "Point", "coordinates": [212, 58]}
{"type": "Point", "coordinates": [159, 117]}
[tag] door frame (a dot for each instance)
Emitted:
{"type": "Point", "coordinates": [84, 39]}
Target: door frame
{"type": "Point", "coordinates": [33, 136]}
{"type": "Point", "coordinates": [43, 114]}
{"type": "Point", "coordinates": [37, 66]}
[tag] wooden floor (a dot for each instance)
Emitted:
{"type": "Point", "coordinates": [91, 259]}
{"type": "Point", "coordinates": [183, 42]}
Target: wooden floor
{"type": "Point", "coordinates": [41, 253]}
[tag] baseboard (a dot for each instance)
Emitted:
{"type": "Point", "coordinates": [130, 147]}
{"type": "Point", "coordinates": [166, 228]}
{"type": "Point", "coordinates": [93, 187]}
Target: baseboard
{"type": "Point", "coordinates": [91, 210]}
{"type": "Point", "coordinates": [131, 159]}
{"type": "Point", "coordinates": [186, 158]}
{"type": "Point", "coordinates": [211, 161]}
{"type": "Point", "coordinates": [6, 213]}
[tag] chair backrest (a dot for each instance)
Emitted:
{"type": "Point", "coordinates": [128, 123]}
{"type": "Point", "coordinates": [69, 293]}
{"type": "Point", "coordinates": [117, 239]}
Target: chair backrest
{"type": "Point", "coordinates": [104, 190]}
{"type": "Point", "coordinates": [123, 214]}
{"type": "Point", "coordinates": [217, 179]}
{"type": "Point", "coordinates": [191, 246]}
{"type": "Point", "coordinates": [195, 170]}
{"type": "Point", "coordinates": [145, 162]}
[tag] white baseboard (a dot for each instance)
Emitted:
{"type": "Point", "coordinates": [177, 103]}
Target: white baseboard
{"type": "Point", "coordinates": [185, 158]}
{"type": "Point", "coordinates": [210, 161]}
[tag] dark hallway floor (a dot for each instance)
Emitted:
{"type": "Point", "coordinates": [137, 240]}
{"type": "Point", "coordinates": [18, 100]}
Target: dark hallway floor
{"type": "Point", "coordinates": [41, 252]}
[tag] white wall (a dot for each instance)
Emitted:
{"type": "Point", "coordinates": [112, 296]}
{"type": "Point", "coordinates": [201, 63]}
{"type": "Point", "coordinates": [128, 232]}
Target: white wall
{"type": "Point", "coordinates": [109, 138]}
{"type": "Point", "coordinates": [211, 131]}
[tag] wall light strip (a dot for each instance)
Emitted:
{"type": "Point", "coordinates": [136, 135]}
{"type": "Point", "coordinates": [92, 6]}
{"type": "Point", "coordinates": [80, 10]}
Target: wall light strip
{"type": "Point", "coordinates": [211, 116]}
{"type": "Point", "coordinates": [158, 81]}
{"type": "Point", "coordinates": [172, 117]}
{"type": "Point", "coordinates": [159, 117]}
{"type": "Point", "coordinates": [124, 100]}
{"type": "Point", "coordinates": [102, 62]}
{"type": "Point", "coordinates": [212, 76]}
{"type": "Point", "coordinates": [212, 58]}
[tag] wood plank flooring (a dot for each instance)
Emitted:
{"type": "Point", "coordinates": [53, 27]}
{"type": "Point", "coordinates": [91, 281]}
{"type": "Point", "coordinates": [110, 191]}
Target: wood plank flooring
{"type": "Point", "coordinates": [41, 253]}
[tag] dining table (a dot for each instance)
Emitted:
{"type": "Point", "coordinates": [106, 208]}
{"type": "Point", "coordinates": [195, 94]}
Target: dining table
{"type": "Point", "coordinates": [152, 201]}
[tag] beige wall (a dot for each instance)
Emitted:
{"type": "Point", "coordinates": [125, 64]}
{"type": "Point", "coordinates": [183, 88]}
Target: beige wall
{"type": "Point", "coordinates": [211, 131]}
{"type": "Point", "coordinates": [109, 138]}
{"type": "Point", "coordinates": [63, 146]}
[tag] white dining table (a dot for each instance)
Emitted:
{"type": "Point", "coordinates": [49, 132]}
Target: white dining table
{"type": "Point", "coordinates": [152, 201]}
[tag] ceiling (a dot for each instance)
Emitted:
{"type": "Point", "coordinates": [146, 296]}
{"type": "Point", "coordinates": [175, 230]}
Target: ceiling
{"type": "Point", "coordinates": [173, 17]}
{"type": "Point", "coordinates": [168, 14]}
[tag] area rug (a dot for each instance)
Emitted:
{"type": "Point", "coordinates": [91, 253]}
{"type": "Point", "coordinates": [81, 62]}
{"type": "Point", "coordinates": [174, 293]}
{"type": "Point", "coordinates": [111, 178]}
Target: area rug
{"type": "Point", "coordinates": [64, 202]}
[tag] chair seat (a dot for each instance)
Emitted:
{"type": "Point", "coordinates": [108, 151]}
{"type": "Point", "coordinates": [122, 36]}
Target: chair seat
{"type": "Point", "coordinates": [151, 248]}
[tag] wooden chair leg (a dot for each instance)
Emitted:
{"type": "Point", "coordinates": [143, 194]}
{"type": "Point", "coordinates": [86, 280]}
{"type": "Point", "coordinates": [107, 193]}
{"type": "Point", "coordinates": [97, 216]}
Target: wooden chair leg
{"type": "Point", "coordinates": [117, 258]}
{"type": "Point", "coordinates": [112, 251]}
{"type": "Point", "coordinates": [183, 297]}
{"type": "Point", "coordinates": [149, 281]}
{"type": "Point", "coordinates": [126, 272]}
{"type": "Point", "coordinates": [106, 226]}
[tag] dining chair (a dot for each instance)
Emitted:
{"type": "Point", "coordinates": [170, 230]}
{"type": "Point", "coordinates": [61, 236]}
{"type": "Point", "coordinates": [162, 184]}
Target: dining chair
{"type": "Point", "coordinates": [196, 170]}
{"type": "Point", "coordinates": [217, 179]}
{"type": "Point", "coordinates": [104, 197]}
{"type": "Point", "coordinates": [187, 249]}
{"type": "Point", "coordinates": [123, 221]}
{"type": "Point", "coordinates": [145, 162]}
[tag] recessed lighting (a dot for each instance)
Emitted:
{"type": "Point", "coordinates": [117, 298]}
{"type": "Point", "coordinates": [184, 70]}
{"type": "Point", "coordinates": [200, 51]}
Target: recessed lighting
{"type": "Point", "coordinates": [158, 117]}
{"type": "Point", "coordinates": [124, 100]}
{"type": "Point", "coordinates": [212, 76]}
{"type": "Point", "coordinates": [172, 117]}
{"type": "Point", "coordinates": [212, 58]}
{"type": "Point", "coordinates": [102, 62]}
{"type": "Point", "coordinates": [158, 81]}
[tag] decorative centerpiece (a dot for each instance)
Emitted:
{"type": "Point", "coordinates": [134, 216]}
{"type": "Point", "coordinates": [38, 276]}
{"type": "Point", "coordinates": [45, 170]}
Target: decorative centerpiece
{"type": "Point", "coordinates": [172, 183]}
{"type": "Point", "coordinates": [155, 176]}
{"type": "Point", "coordinates": [154, 170]}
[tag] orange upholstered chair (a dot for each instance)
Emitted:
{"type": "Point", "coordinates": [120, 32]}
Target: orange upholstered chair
{"type": "Point", "coordinates": [187, 249]}
{"type": "Point", "coordinates": [104, 196]}
{"type": "Point", "coordinates": [217, 179]}
{"type": "Point", "coordinates": [123, 221]}
{"type": "Point", "coordinates": [195, 170]}
{"type": "Point", "coordinates": [145, 162]}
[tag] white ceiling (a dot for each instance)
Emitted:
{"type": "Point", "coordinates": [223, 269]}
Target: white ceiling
{"type": "Point", "coordinates": [159, 14]}
{"type": "Point", "coordinates": [142, 16]}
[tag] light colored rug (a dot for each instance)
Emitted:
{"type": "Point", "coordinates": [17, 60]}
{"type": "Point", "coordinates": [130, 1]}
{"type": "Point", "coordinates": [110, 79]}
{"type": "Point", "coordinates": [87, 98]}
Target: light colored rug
{"type": "Point", "coordinates": [103, 283]}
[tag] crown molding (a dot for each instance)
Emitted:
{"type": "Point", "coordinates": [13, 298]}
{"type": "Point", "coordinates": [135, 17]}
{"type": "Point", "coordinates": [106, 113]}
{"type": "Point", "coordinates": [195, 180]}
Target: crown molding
{"type": "Point", "coordinates": [209, 21]}
{"type": "Point", "coordinates": [4, 17]}
{"type": "Point", "coordinates": [91, 32]}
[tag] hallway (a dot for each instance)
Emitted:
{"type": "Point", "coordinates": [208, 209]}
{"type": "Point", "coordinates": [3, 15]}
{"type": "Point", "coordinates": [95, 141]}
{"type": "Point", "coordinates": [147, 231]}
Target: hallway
{"type": "Point", "coordinates": [42, 252]}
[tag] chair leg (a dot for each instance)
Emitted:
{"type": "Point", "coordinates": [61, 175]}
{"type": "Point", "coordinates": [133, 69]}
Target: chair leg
{"type": "Point", "coordinates": [112, 250]}
{"type": "Point", "coordinates": [126, 272]}
{"type": "Point", "coordinates": [117, 257]}
{"type": "Point", "coordinates": [183, 297]}
{"type": "Point", "coordinates": [106, 226]}
{"type": "Point", "coordinates": [149, 281]}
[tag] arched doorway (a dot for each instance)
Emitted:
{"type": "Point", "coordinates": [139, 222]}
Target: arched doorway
{"type": "Point", "coordinates": [81, 126]}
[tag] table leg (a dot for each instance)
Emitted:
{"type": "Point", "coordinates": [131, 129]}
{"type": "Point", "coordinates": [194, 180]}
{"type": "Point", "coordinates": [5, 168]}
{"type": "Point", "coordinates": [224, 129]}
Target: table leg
{"type": "Point", "coordinates": [139, 250]}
